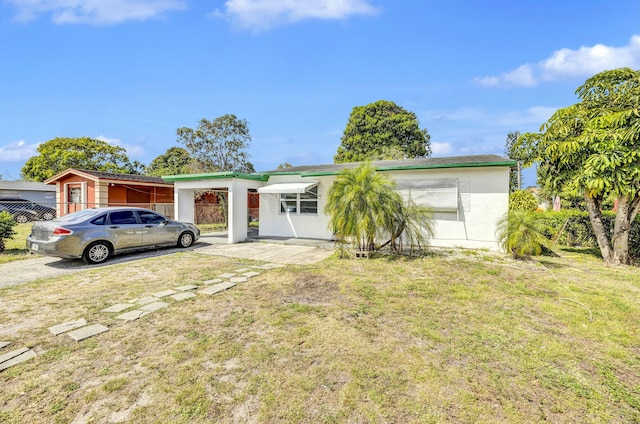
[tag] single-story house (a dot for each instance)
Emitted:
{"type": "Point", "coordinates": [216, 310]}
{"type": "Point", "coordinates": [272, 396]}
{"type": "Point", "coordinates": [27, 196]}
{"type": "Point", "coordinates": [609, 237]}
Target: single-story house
{"type": "Point", "coordinates": [78, 189]}
{"type": "Point", "coordinates": [468, 195]}
{"type": "Point", "coordinates": [40, 193]}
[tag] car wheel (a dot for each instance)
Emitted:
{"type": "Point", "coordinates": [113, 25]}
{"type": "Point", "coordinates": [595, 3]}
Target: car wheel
{"type": "Point", "coordinates": [21, 219]}
{"type": "Point", "coordinates": [97, 252]}
{"type": "Point", "coordinates": [185, 239]}
{"type": "Point", "coordinates": [48, 216]}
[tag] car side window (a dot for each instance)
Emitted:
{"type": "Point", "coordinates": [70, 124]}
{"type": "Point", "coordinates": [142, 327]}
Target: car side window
{"type": "Point", "coordinates": [101, 220]}
{"type": "Point", "coordinates": [122, 218]}
{"type": "Point", "coordinates": [150, 218]}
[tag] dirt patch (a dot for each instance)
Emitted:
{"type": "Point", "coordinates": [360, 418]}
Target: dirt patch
{"type": "Point", "coordinates": [312, 290]}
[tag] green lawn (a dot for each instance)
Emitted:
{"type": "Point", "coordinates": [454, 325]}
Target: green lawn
{"type": "Point", "coordinates": [462, 337]}
{"type": "Point", "coordinates": [15, 248]}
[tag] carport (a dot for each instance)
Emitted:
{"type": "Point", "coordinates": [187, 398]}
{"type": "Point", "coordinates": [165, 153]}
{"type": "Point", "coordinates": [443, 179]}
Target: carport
{"type": "Point", "coordinates": [237, 186]}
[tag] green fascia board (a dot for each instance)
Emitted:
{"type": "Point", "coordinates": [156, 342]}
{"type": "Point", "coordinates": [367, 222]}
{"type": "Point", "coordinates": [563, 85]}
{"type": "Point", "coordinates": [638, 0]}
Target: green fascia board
{"type": "Point", "coordinates": [215, 176]}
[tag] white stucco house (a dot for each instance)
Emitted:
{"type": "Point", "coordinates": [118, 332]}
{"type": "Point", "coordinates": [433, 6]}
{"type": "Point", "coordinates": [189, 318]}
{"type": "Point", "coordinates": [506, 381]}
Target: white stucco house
{"type": "Point", "coordinates": [468, 195]}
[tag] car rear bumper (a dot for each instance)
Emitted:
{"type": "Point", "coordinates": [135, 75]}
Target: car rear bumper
{"type": "Point", "coordinates": [54, 247]}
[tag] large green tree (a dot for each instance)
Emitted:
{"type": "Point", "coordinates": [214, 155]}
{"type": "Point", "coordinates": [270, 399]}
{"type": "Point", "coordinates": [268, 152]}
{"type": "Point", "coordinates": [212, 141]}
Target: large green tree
{"type": "Point", "coordinates": [218, 145]}
{"type": "Point", "coordinates": [61, 153]}
{"type": "Point", "coordinates": [174, 161]}
{"type": "Point", "coordinates": [382, 130]}
{"type": "Point", "coordinates": [593, 148]}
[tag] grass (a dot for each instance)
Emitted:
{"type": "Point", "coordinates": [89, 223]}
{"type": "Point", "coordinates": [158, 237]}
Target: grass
{"type": "Point", "coordinates": [15, 248]}
{"type": "Point", "coordinates": [443, 338]}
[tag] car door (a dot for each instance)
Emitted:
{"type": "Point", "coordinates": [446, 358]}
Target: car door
{"type": "Point", "coordinates": [156, 229]}
{"type": "Point", "coordinates": [124, 229]}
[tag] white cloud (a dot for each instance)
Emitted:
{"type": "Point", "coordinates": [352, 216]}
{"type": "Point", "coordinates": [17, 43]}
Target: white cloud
{"type": "Point", "coordinates": [132, 149]}
{"type": "Point", "coordinates": [17, 151]}
{"type": "Point", "coordinates": [441, 149]}
{"type": "Point", "coordinates": [567, 63]}
{"type": "Point", "coordinates": [264, 14]}
{"type": "Point", "coordinates": [94, 12]}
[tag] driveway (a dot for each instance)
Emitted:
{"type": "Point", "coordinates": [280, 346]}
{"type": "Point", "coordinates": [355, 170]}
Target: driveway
{"type": "Point", "coordinates": [23, 271]}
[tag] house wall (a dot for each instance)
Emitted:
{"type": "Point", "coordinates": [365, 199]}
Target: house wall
{"type": "Point", "coordinates": [483, 196]}
{"type": "Point", "coordinates": [274, 223]}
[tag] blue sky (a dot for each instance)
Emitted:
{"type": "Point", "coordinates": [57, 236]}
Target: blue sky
{"type": "Point", "coordinates": [131, 72]}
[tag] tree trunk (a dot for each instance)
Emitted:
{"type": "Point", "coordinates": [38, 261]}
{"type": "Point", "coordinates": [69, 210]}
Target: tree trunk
{"type": "Point", "coordinates": [626, 214]}
{"type": "Point", "coordinates": [601, 233]}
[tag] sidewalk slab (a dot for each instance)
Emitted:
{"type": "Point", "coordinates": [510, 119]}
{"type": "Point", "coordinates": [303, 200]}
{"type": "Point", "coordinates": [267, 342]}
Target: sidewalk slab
{"type": "Point", "coordinates": [152, 307]}
{"type": "Point", "coordinates": [182, 296]}
{"type": "Point", "coordinates": [132, 315]}
{"type": "Point", "coordinates": [251, 274]}
{"type": "Point", "coordinates": [241, 270]}
{"type": "Point", "coordinates": [67, 326]}
{"type": "Point", "coordinates": [86, 332]}
{"type": "Point", "coordinates": [16, 357]}
{"type": "Point", "coordinates": [238, 279]}
{"type": "Point", "coordinates": [145, 300]}
{"type": "Point", "coordinates": [164, 293]}
{"type": "Point", "coordinates": [214, 281]}
{"type": "Point", "coordinates": [3, 344]}
{"type": "Point", "coordinates": [227, 275]}
{"type": "Point", "coordinates": [217, 288]}
{"type": "Point", "coordinates": [119, 307]}
{"type": "Point", "coordinates": [187, 287]}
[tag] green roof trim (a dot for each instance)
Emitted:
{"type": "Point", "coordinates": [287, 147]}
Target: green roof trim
{"type": "Point", "coordinates": [216, 176]}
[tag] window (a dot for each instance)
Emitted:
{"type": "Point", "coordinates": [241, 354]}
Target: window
{"type": "Point", "coordinates": [75, 194]}
{"type": "Point", "coordinates": [300, 203]}
{"type": "Point", "coordinates": [101, 220]}
{"type": "Point", "coordinates": [122, 217]}
{"type": "Point", "coordinates": [151, 218]}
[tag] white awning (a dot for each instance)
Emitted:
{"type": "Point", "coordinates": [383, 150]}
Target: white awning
{"type": "Point", "coordinates": [287, 187]}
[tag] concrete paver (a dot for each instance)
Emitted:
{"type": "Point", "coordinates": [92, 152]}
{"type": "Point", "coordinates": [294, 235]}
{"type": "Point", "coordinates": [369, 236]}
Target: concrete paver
{"type": "Point", "coordinates": [238, 279]}
{"type": "Point", "coordinates": [251, 274]}
{"type": "Point", "coordinates": [16, 357]}
{"type": "Point", "coordinates": [151, 307]}
{"type": "Point", "coordinates": [86, 332]}
{"type": "Point", "coordinates": [183, 296]}
{"type": "Point", "coordinates": [164, 293]}
{"type": "Point", "coordinates": [227, 275]}
{"type": "Point", "coordinates": [3, 344]}
{"type": "Point", "coordinates": [145, 300]}
{"type": "Point", "coordinates": [119, 307]}
{"type": "Point", "coordinates": [67, 326]}
{"type": "Point", "coordinates": [132, 315]}
{"type": "Point", "coordinates": [187, 287]}
{"type": "Point", "coordinates": [217, 288]}
{"type": "Point", "coordinates": [214, 281]}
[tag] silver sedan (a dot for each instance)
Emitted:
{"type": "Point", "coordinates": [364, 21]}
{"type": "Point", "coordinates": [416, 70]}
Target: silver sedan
{"type": "Point", "coordinates": [96, 234]}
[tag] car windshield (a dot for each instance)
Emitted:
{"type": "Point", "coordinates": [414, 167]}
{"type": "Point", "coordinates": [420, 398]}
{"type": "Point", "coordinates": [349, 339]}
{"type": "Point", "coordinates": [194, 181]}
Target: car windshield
{"type": "Point", "coordinates": [76, 216]}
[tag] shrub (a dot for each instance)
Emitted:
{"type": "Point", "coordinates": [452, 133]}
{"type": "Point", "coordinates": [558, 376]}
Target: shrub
{"type": "Point", "coordinates": [522, 234]}
{"type": "Point", "coordinates": [7, 224]}
{"type": "Point", "coordinates": [573, 228]}
{"type": "Point", "coordinates": [522, 200]}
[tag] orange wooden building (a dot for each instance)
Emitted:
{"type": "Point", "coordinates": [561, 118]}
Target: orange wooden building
{"type": "Point", "coordinates": [80, 189]}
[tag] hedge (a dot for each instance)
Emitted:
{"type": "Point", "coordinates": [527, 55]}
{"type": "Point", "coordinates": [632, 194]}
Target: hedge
{"type": "Point", "coordinates": [573, 228]}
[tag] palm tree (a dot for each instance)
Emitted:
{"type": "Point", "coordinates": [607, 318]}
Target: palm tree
{"type": "Point", "coordinates": [412, 226]}
{"type": "Point", "coordinates": [361, 202]}
{"type": "Point", "coordinates": [521, 234]}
